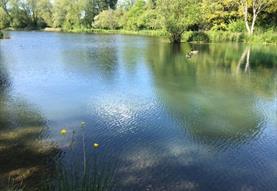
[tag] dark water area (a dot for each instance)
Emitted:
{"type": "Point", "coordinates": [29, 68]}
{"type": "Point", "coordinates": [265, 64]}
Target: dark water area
{"type": "Point", "coordinates": [162, 121]}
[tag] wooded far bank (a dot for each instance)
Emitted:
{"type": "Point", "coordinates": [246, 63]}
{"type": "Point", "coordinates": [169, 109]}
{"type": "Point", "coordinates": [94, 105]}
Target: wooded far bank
{"type": "Point", "coordinates": [202, 20]}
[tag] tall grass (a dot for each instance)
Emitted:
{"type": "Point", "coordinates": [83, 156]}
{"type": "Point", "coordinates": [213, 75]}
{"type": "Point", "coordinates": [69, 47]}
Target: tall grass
{"type": "Point", "coordinates": [266, 38]}
{"type": "Point", "coordinates": [157, 33]}
{"type": "Point", "coordinates": [269, 37]}
{"type": "Point", "coordinates": [97, 175]}
{"type": "Point", "coordinates": [70, 179]}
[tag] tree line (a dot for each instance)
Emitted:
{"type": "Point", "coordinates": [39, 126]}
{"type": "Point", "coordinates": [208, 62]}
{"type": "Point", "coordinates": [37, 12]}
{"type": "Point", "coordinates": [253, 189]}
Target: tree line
{"type": "Point", "coordinates": [174, 16]}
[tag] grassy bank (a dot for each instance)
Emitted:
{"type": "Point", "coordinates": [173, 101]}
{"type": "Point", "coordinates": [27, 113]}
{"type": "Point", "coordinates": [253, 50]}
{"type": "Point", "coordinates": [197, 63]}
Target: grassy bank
{"type": "Point", "coordinates": [157, 33]}
{"type": "Point", "coordinates": [269, 37]}
{"type": "Point", "coordinates": [1, 35]}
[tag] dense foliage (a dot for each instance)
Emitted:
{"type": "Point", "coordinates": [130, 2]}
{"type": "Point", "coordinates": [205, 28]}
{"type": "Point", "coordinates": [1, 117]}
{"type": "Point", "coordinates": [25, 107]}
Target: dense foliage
{"type": "Point", "coordinates": [173, 16]}
{"type": "Point", "coordinates": [178, 15]}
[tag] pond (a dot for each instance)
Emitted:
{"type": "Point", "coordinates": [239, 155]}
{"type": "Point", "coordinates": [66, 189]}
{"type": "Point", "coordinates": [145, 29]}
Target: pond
{"type": "Point", "coordinates": [115, 112]}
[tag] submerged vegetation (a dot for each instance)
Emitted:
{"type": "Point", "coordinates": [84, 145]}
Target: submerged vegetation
{"type": "Point", "coordinates": [235, 20]}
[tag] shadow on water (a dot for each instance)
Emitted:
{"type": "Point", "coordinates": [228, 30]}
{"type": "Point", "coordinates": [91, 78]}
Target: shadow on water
{"type": "Point", "coordinates": [25, 156]}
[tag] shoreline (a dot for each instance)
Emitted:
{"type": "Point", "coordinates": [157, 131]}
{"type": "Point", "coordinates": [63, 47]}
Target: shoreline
{"type": "Point", "coordinates": [188, 36]}
{"type": "Point", "coordinates": [266, 38]}
{"type": "Point", "coordinates": [154, 33]}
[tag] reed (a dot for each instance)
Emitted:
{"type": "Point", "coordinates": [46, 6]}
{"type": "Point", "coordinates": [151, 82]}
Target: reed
{"type": "Point", "coordinates": [269, 37]}
{"type": "Point", "coordinates": [97, 175]}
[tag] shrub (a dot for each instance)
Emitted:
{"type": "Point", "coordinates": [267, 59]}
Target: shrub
{"type": "Point", "coordinates": [4, 19]}
{"type": "Point", "coordinates": [224, 36]}
{"type": "Point", "coordinates": [19, 19]}
{"type": "Point", "coordinates": [266, 37]}
{"type": "Point", "coordinates": [177, 16]}
{"type": "Point", "coordinates": [133, 20]}
{"type": "Point", "coordinates": [198, 37]}
{"type": "Point", "coordinates": [108, 19]}
{"type": "Point", "coordinates": [236, 26]}
{"type": "Point", "coordinates": [219, 27]}
{"type": "Point", "coordinates": [151, 20]}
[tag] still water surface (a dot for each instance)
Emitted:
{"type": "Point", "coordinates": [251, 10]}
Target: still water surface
{"type": "Point", "coordinates": [163, 121]}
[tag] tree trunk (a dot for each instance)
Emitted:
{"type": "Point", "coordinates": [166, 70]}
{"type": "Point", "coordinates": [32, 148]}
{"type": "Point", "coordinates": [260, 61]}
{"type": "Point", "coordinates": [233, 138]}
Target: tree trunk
{"type": "Point", "coordinates": [5, 8]}
{"type": "Point", "coordinates": [253, 23]}
{"type": "Point", "coordinates": [257, 6]}
{"type": "Point", "coordinates": [245, 12]}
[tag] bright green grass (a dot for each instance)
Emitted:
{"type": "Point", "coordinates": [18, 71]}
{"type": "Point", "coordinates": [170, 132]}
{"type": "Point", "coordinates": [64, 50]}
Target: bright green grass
{"type": "Point", "coordinates": [269, 37]}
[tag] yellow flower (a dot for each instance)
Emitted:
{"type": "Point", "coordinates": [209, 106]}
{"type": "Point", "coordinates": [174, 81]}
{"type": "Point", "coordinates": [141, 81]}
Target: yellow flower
{"type": "Point", "coordinates": [63, 131]}
{"type": "Point", "coordinates": [96, 146]}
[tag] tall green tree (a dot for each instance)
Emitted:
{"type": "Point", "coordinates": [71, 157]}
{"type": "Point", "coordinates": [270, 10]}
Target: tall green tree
{"type": "Point", "coordinates": [90, 12]}
{"type": "Point", "coordinates": [5, 16]}
{"type": "Point", "coordinates": [26, 13]}
{"type": "Point", "coordinates": [105, 4]}
{"type": "Point", "coordinates": [131, 20]}
{"type": "Point", "coordinates": [219, 13]}
{"type": "Point", "coordinates": [4, 6]}
{"type": "Point", "coordinates": [71, 14]}
{"type": "Point", "coordinates": [108, 19]}
{"type": "Point", "coordinates": [178, 15]}
{"type": "Point", "coordinates": [4, 19]}
{"type": "Point", "coordinates": [68, 14]}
